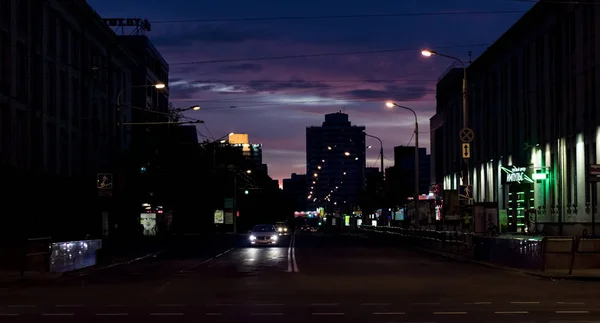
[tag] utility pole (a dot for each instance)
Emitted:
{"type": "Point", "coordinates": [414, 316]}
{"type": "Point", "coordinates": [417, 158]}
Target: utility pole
{"type": "Point", "coordinates": [234, 202]}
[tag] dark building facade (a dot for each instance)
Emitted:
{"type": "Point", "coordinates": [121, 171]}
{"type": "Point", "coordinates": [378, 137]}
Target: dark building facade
{"type": "Point", "coordinates": [61, 69]}
{"type": "Point", "coordinates": [335, 163]}
{"type": "Point", "coordinates": [294, 191]}
{"type": "Point", "coordinates": [534, 111]}
{"type": "Point", "coordinates": [401, 177]}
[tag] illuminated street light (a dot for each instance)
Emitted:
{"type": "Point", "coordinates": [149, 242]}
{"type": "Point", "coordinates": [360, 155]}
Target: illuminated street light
{"type": "Point", "coordinates": [159, 85]}
{"type": "Point", "coordinates": [392, 104]}
{"type": "Point", "coordinates": [249, 171]}
{"type": "Point", "coordinates": [347, 153]}
{"type": "Point", "coordinates": [427, 53]}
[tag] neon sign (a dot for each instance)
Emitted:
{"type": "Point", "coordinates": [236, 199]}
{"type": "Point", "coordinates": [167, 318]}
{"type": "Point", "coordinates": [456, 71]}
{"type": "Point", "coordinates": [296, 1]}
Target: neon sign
{"type": "Point", "coordinates": [517, 175]}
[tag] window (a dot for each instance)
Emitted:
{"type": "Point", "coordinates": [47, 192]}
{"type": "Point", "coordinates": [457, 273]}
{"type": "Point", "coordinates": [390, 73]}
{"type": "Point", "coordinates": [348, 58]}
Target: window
{"type": "Point", "coordinates": [37, 143]}
{"type": "Point", "coordinates": [5, 62]}
{"type": "Point", "coordinates": [37, 82]}
{"type": "Point", "coordinates": [52, 147]}
{"type": "Point", "coordinates": [22, 73]}
{"type": "Point", "coordinates": [22, 17]}
{"type": "Point", "coordinates": [64, 96]}
{"type": "Point", "coordinates": [65, 34]}
{"type": "Point", "coordinates": [75, 102]}
{"type": "Point", "coordinates": [5, 13]}
{"type": "Point", "coordinates": [21, 139]}
{"type": "Point", "coordinates": [64, 157]}
{"type": "Point", "coordinates": [51, 33]}
{"type": "Point", "coordinates": [51, 89]}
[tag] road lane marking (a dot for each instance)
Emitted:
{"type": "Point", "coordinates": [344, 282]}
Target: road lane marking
{"type": "Point", "coordinates": [266, 314]}
{"type": "Point", "coordinates": [572, 312]}
{"type": "Point", "coordinates": [58, 314]}
{"type": "Point", "coordinates": [289, 255]}
{"type": "Point", "coordinates": [325, 304]}
{"type": "Point", "coordinates": [332, 313]}
{"type": "Point", "coordinates": [426, 303]}
{"type": "Point", "coordinates": [479, 303]}
{"type": "Point", "coordinates": [524, 302]}
{"type": "Point", "coordinates": [389, 313]}
{"type": "Point", "coordinates": [112, 314]}
{"type": "Point", "coordinates": [9, 314]}
{"type": "Point", "coordinates": [511, 312]}
{"type": "Point", "coordinates": [449, 313]}
{"type": "Point", "coordinates": [187, 270]}
{"type": "Point", "coordinates": [571, 303]}
{"type": "Point", "coordinates": [66, 305]}
{"type": "Point", "coordinates": [166, 314]}
{"type": "Point", "coordinates": [374, 304]}
{"type": "Point", "coordinates": [295, 263]}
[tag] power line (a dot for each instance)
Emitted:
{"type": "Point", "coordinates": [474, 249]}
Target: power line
{"type": "Point", "coordinates": [320, 55]}
{"type": "Point", "coordinates": [313, 81]}
{"type": "Point", "coordinates": [382, 15]}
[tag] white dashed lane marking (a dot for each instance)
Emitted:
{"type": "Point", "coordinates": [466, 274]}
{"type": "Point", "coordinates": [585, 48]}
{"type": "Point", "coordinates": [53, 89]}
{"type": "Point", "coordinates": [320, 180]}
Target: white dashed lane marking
{"type": "Point", "coordinates": [479, 303]}
{"type": "Point", "coordinates": [9, 314]}
{"type": "Point", "coordinates": [389, 313]}
{"type": "Point", "coordinates": [449, 313]}
{"type": "Point", "coordinates": [529, 303]}
{"type": "Point", "coordinates": [572, 312]}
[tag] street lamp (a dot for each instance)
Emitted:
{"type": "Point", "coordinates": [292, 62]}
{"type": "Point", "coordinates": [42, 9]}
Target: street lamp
{"type": "Point", "coordinates": [193, 107]}
{"type": "Point", "coordinates": [249, 171]}
{"type": "Point", "coordinates": [380, 152]}
{"type": "Point", "coordinates": [465, 97]}
{"type": "Point", "coordinates": [391, 104]}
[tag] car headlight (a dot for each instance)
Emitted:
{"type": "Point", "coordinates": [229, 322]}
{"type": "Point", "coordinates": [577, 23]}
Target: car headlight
{"type": "Point", "coordinates": [252, 238]}
{"type": "Point", "coordinates": [285, 229]}
{"type": "Point", "coordinates": [280, 229]}
{"type": "Point", "coordinates": [274, 237]}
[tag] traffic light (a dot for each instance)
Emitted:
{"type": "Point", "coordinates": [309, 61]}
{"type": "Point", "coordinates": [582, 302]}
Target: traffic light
{"type": "Point", "coordinates": [143, 169]}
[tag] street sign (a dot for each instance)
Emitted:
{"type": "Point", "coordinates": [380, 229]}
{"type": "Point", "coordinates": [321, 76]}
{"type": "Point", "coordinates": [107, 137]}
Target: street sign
{"type": "Point", "coordinates": [466, 135]}
{"type": "Point", "coordinates": [465, 192]}
{"type": "Point", "coordinates": [466, 150]}
{"type": "Point", "coordinates": [104, 181]}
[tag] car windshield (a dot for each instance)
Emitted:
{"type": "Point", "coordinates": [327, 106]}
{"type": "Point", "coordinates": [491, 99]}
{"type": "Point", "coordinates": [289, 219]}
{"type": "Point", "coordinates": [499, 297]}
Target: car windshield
{"type": "Point", "coordinates": [263, 228]}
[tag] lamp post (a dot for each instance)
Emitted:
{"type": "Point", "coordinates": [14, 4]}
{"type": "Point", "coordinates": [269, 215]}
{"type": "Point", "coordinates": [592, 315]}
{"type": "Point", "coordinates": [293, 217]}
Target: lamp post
{"type": "Point", "coordinates": [391, 104]}
{"type": "Point", "coordinates": [380, 153]}
{"type": "Point", "coordinates": [465, 97]}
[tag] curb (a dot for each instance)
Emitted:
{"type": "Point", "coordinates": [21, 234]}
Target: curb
{"type": "Point", "coordinates": [94, 269]}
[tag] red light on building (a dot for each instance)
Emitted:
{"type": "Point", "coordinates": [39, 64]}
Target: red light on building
{"type": "Point", "coordinates": [237, 213]}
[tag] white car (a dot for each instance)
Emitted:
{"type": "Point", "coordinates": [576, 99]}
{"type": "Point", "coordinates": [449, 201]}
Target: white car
{"type": "Point", "coordinates": [264, 234]}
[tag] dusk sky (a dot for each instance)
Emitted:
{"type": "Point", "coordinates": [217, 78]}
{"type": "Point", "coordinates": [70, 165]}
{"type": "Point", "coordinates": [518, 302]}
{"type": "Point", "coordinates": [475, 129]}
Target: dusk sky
{"type": "Point", "coordinates": [218, 64]}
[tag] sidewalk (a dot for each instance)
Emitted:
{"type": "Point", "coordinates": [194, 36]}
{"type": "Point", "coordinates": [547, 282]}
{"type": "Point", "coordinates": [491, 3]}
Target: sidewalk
{"type": "Point", "coordinates": [577, 274]}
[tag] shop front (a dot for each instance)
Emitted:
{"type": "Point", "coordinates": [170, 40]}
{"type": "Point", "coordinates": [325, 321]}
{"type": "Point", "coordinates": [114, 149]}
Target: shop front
{"type": "Point", "coordinates": [519, 186]}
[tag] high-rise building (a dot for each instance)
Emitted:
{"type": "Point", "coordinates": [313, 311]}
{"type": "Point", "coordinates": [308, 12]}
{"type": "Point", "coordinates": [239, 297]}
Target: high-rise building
{"type": "Point", "coordinates": [335, 163]}
{"type": "Point", "coordinates": [252, 152]}
{"type": "Point", "coordinates": [294, 191]}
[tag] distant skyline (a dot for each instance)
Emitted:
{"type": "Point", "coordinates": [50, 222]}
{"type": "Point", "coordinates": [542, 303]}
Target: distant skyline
{"type": "Point", "coordinates": [237, 63]}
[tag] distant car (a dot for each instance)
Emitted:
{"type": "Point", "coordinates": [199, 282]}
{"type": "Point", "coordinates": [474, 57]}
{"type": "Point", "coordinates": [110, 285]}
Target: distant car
{"type": "Point", "coordinates": [264, 234]}
{"type": "Point", "coordinates": [307, 228]}
{"type": "Point", "coordinates": [281, 228]}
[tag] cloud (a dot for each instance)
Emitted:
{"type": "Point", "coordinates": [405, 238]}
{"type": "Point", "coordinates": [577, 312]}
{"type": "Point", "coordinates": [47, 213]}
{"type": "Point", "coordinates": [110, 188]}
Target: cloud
{"type": "Point", "coordinates": [395, 92]}
{"type": "Point", "coordinates": [241, 68]}
{"type": "Point", "coordinates": [215, 34]}
{"type": "Point", "coordinates": [269, 86]}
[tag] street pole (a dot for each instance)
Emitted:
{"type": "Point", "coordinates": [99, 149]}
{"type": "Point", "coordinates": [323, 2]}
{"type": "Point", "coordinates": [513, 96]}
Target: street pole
{"type": "Point", "coordinates": [417, 171]}
{"type": "Point", "coordinates": [234, 203]}
{"type": "Point", "coordinates": [465, 98]}
{"type": "Point", "coordinates": [391, 104]}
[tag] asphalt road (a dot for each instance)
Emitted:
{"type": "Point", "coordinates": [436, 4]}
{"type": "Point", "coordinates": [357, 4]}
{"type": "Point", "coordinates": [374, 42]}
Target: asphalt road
{"type": "Point", "coordinates": [308, 277]}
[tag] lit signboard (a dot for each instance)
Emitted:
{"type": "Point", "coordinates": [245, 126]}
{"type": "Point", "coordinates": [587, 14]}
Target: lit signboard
{"type": "Point", "coordinates": [516, 175]}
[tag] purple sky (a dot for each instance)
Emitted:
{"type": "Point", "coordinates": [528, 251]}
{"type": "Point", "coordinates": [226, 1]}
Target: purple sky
{"type": "Point", "coordinates": [277, 98]}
